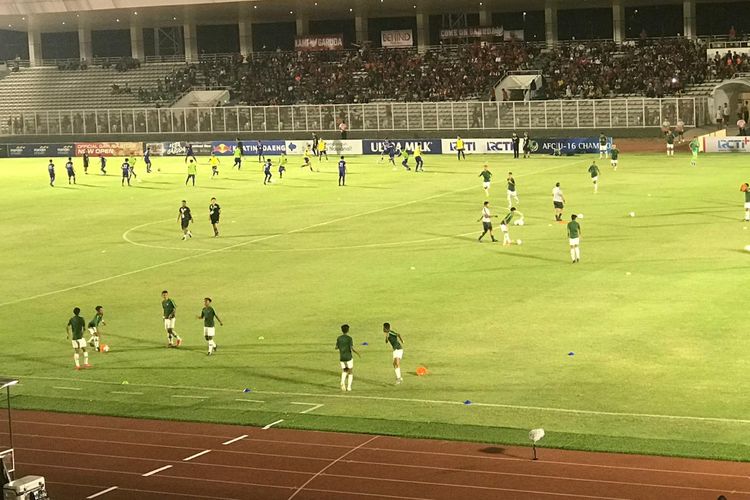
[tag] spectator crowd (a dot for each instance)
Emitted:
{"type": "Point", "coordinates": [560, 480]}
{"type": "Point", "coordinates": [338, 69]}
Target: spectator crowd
{"type": "Point", "coordinates": [592, 70]}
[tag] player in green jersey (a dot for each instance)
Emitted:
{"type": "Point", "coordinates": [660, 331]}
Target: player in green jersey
{"type": "Point", "coordinates": [345, 346]}
{"type": "Point", "coordinates": [670, 143]}
{"type": "Point", "coordinates": [208, 315]}
{"type": "Point", "coordinates": [486, 176]}
{"type": "Point", "coordinates": [745, 188]}
{"type": "Point", "coordinates": [169, 307]}
{"type": "Point", "coordinates": [395, 340]}
{"type": "Point", "coordinates": [574, 238]}
{"type": "Point", "coordinates": [97, 320]}
{"type": "Point", "coordinates": [594, 171]}
{"type": "Point", "coordinates": [75, 328]}
{"type": "Point", "coordinates": [694, 148]}
{"type": "Point", "coordinates": [615, 155]}
{"type": "Point", "coordinates": [237, 158]}
{"type": "Point", "coordinates": [512, 194]}
{"type": "Point", "coordinates": [405, 161]}
{"type": "Point", "coordinates": [214, 163]}
{"type": "Point", "coordinates": [505, 222]}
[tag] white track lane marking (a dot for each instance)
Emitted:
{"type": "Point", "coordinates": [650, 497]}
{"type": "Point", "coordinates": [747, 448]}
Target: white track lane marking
{"type": "Point", "coordinates": [231, 441]}
{"type": "Point", "coordinates": [156, 471]}
{"type": "Point", "coordinates": [321, 471]}
{"type": "Point", "coordinates": [256, 240]}
{"type": "Point", "coordinates": [103, 492]}
{"type": "Point", "coordinates": [199, 454]}
{"type": "Point", "coordinates": [272, 424]}
{"type": "Point", "coordinates": [425, 401]}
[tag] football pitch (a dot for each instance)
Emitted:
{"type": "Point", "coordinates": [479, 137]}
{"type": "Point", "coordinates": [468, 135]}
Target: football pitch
{"type": "Point", "coordinates": [640, 347]}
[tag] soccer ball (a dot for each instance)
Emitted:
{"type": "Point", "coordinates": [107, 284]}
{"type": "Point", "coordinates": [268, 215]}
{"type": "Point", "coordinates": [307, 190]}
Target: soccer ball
{"type": "Point", "coordinates": [104, 348]}
{"type": "Point", "coordinates": [580, 216]}
{"type": "Point", "coordinates": [519, 242]}
{"type": "Point", "coordinates": [632, 214]}
{"type": "Point", "coordinates": [519, 222]}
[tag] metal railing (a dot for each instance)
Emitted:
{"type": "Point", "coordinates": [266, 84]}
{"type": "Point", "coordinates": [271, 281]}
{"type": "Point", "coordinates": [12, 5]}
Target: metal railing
{"type": "Point", "coordinates": [380, 116]}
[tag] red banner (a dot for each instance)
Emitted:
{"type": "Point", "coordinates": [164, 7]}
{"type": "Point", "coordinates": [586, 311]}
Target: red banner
{"type": "Point", "coordinates": [109, 148]}
{"type": "Point", "coordinates": [319, 42]}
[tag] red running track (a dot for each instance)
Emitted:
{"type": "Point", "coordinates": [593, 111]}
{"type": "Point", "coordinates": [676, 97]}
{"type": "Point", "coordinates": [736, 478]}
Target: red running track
{"type": "Point", "coordinates": [86, 457]}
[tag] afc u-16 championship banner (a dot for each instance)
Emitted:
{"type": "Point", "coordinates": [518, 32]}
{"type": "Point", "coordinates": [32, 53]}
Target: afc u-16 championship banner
{"type": "Point", "coordinates": [334, 146]}
{"type": "Point", "coordinates": [738, 144]}
{"type": "Point", "coordinates": [109, 148]}
{"type": "Point", "coordinates": [396, 38]}
{"type": "Point", "coordinates": [566, 145]}
{"type": "Point", "coordinates": [428, 146]}
{"type": "Point", "coordinates": [249, 148]}
{"type": "Point", "coordinates": [319, 42]}
{"type": "Point", "coordinates": [478, 32]}
{"type": "Point", "coordinates": [481, 146]}
{"type": "Point", "coordinates": [40, 150]}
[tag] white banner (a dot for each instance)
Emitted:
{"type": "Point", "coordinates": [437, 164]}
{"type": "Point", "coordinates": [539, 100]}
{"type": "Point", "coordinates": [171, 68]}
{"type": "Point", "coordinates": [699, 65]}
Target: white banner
{"type": "Point", "coordinates": [477, 32]}
{"type": "Point", "coordinates": [479, 146]}
{"type": "Point", "coordinates": [738, 144]}
{"type": "Point", "coordinates": [396, 38]}
{"type": "Point", "coordinates": [334, 146]}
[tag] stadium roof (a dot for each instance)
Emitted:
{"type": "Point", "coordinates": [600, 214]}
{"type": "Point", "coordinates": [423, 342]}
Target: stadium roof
{"type": "Point", "coordinates": [66, 15]}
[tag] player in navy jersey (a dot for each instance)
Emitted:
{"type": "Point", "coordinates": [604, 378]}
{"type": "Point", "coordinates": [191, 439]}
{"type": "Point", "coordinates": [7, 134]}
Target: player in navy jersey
{"type": "Point", "coordinates": [71, 171]}
{"type": "Point", "coordinates": [189, 153]}
{"type": "Point", "coordinates": [393, 152]}
{"type": "Point", "coordinates": [51, 171]}
{"type": "Point", "coordinates": [147, 160]}
{"type": "Point", "coordinates": [384, 150]}
{"type": "Point", "coordinates": [267, 172]}
{"type": "Point", "coordinates": [125, 173]}
{"type": "Point", "coordinates": [261, 156]}
{"type": "Point", "coordinates": [103, 164]}
{"type": "Point", "coordinates": [342, 171]}
{"type": "Point", "coordinates": [85, 163]}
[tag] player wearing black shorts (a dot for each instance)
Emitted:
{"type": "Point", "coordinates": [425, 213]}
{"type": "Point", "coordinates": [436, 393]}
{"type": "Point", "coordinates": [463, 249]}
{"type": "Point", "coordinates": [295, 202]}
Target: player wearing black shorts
{"type": "Point", "coordinates": [185, 219]}
{"type": "Point", "coordinates": [214, 212]}
{"type": "Point", "coordinates": [125, 173]}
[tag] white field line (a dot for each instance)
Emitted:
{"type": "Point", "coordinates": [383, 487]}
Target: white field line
{"type": "Point", "coordinates": [272, 424]}
{"type": "Point", "coordinates": [250, 400]}
{"type": "Point", "coordinates": [427, 401]}
{"type": "Point", "coordinates": [67, 388]}
{"type": "Point", "coordinates": [231, 441]}
{"type": "Point", "coordinates": [199, 454]}
{"type": "Point", "coordinates": [156, 471]}
{"type": "Point", "coordinates": [321, 471]}
{"type": "Point", "coordinates": [103, 492]}
{"type": "Point", "coordinates": [314, 406]}
{"type": "Point", "coordinates": [189, 397]}
{"type": "Point", "coordinates": [127, 392]}
{"type": "Point", "coordinates": [249, 242]}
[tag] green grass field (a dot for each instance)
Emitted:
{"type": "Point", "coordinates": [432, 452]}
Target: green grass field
{"type": "Point", "coordinates": [653, 311]}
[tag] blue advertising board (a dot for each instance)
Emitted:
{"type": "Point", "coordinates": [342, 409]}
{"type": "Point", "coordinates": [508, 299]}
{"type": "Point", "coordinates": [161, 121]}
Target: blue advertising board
{"type": "Point", "coordinates": [567, 145]}
{"type": "Point", "coordinates": [429, 146]}
{"type": "Point", "coordinates": [249, 148]}
{"type": "Point", "coordinates": [40, 150]}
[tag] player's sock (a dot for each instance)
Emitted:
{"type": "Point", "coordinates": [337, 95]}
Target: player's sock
{"type": "Point", "coordinates": [85, 358]}
{"type": "Point", "coordinates": [76, 358]}
{"type": "Point", "coordinates": [349, 379]}
{"type": "Point", "coordinates": [398, 373]}
{"type": "Point", "coordinates": [506, 239]}
{"type": "Point", "coordinates": [573, 254]}
{"type": "Point", "coordinates": [578, 253]}
{"type": "Point", "coordinates": [96, 342]}
{"type": "Point", "coordinates": [343, 379]}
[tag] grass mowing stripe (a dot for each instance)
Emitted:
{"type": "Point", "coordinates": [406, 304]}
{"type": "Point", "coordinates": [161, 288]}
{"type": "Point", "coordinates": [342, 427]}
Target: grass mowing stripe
{"type": "Point", "coordinates": [417, 400]}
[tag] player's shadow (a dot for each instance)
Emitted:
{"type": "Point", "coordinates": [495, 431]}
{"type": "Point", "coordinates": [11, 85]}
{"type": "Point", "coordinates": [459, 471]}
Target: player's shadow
{"type": "Point", "coordinates": [366, 187]}
{"type": "Point", "coordinates": [88, 185]}
{"type": "Point", "coordinates": [329, 373]}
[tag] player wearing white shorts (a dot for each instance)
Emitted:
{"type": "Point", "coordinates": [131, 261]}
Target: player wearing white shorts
{"type": "Point", "coordinates": [512, 193]}
{"type": "Point", "coordinates": [574, 238]}
{"type": "Point", "coordinates": [670, 143]}
{"type": "Point", "coordinates": [208, 315]}
{"type": "Point", "coordinates": [74, 330]}
{"type": "Point", "coordinates": [169, 316]}
{"type": "Point", "coordinates": [395, 340]}
{"type": "Point", "coordinates": [745, 188]}
{"type": "Point", "coordinates": [603, 149]}
{"type": "Point", "coordinates": [486, 176]}
{"type": "Point", "coordinates": [615, 155]}
{"type": "Point", "coordinates": [345, 346]}
{"type": "Point", "coordinates": [97, 320]}
{"type": "Point", "coordinates": [506, 222]}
